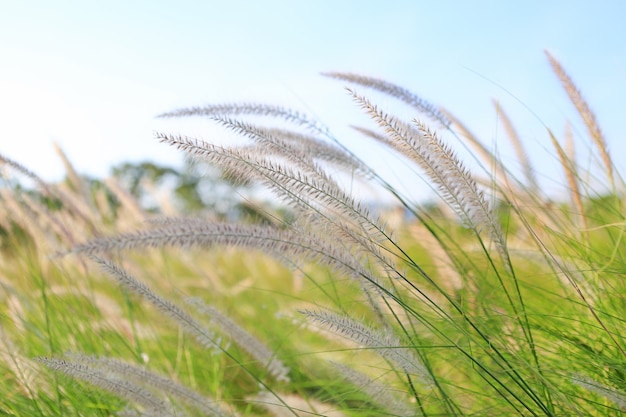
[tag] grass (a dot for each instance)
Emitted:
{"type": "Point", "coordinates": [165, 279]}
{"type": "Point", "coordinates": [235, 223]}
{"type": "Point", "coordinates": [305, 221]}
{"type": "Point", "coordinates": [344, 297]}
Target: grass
{"type": "Point", "coordinates": [498, 301]}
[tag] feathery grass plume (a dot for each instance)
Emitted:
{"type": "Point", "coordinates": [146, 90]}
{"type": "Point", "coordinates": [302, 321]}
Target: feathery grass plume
{"type": "Point", "coordinates": [364, 251]}
{"type": "Point", "coordinates": [178, 315]}
{"type": "Point", "coordinates": [339, 200]}
{"type": "Point", "coordinates": [308, 193]}
{"type": "Point", "coordinates": [589, 118]}
{"type": "Point", "coordinates": [364, 247]}
{"type": "Point", "coordinates": [193, 232]}
{"type": "Point", "coordinates": [385, 140]}
{"type": "Point", "coordinates": [377, 393]}
{"type": "Point", "coordinates": [572, 181]}
{"type": "Point", "coordinates": [382, 341]}
{"type": "Point", "coordinates": [149, 380]}
{"type": "Point", "coordinates": [458, 185]}
{"type": "Point", "coordinates": [199, 331]}
{"type": "Point", "coordinates": [615, 396]}
{"type": "Point", "coordinates": [518, 147]}
{"type": "Point", "coordinates": [411, 144]}
{"type": "Point", "coordinates": [274, 146]}
{"type": "Point", "coordinates": [102, 378]}
{"type": "Point", "coordinates": [393, 90]}
{"type": "Point", "coordinates": [245, 340]}
{"type": "Point", "coordinates": [454, 181]}
{"type": "Point", "coordinates": [324, 151]}
{"type": "Point", "coordinates": [458, 188]}
{"type": "Point", "coordinates": [285, 245]}
{"type": "Point", "coordinates": [251, 109]}
{"type": "Point", "coordinates": [497, 171]}
{"type": "Point", "coordinates": [303, 151]}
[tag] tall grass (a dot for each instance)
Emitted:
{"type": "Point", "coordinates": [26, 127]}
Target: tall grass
{"type": "Point", "coordinates": [499, 302]}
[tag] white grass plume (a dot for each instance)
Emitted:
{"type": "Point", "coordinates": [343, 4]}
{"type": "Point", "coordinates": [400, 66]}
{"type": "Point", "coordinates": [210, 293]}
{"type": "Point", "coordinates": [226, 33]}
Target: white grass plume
{"type": "Point", "coordinates": [572, 181]}
{"type": "Point", "coordinates": [299, 148]}
{"type": "Point", "coordinates": [261, 166]}
{"type": "Point", "coordinates": [202, 335]}
{"type": "Point", "coordinates": [122, 387]}
{"type": "Point", "coordinates": [495, 164]}
{"type": "Point", "coordinates": [382, 341]}
{"type": "Point", "coordinates": [377, 392]}
{"type": "Point", "coordinates": [324, 151]}
{"type": "Point", "coordinates": [286, 245]}
{"type": "Point", "coordinates": [616, 397]}
{"type": "Point", "coordinates": [245, 340]}
{"type": "Point", "coordinates": [457, 186]}
{"type": "Point", "coordinates": [144, 378]}
{"type": "Point", "coordinates": [393, 90]}
{"type": "Point", "coordinates": [309, 193]}
{"type": "Point", "coordinates": [253, 109]}
{"type": "Point", "coordinates": [589, 118]}
{"type": "Point", "coordinates": [519, 149]}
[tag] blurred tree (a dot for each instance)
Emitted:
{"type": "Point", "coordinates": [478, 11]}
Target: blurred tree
{"type": "Point", "coordinates": [196, 187]}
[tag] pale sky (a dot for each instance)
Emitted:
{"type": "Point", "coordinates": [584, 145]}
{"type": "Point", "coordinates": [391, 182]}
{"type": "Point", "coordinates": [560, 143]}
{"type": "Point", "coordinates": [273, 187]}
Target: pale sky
{"type": "Point", "coordinates": [92, 76]}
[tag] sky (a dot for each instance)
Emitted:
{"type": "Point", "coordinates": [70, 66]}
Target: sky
{"type": "Point", "coordinates": [91, 76]}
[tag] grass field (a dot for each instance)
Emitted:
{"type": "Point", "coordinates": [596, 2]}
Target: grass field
{"type": "Point", "coordinates": [497, 301]}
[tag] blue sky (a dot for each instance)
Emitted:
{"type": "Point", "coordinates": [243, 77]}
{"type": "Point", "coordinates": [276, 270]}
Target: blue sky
{"type": "Point", "coordinates": [92, 75]}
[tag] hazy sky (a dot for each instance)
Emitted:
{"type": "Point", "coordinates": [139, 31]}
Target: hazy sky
{"type": "Point", "coordinates": [92, 75]}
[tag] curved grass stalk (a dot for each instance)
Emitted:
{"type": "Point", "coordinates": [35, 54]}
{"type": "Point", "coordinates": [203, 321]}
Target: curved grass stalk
{"type": "Point", "coordinates": [393, 90]}
{"type": "Point", "coordinates": [253, 109]}
{"type": "Point", "coordinates": [384, 343]}
{"type": "Point", "coordinates": [520, 151]}
{"type": "Point", "coordinates": [454, 181]}
{"type": "Point", "coordinates": [150, 380]}
{"type": "Point", "coordinates": [122, 387]}
{"type": "Point", "coordinates": [589, 118]}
